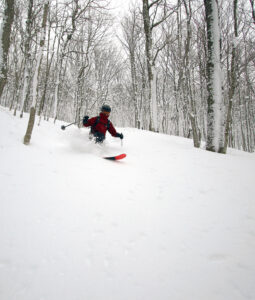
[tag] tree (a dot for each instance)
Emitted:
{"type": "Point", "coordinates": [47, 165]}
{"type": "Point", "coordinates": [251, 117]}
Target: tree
{"type": "Point", "coordinates": [214, 140]}
{"type": "Point", "coordinates": [185, 82]}
{"type": "Point", "coordinates": [232, 87]}
{"type": "Point", "coordinates": [80, 12]}
{"type": "Point", "coordinates": [31, 120]}
{"type": "Point", "coordinates": [5, 33]}
{"type": "Point", "coordinates": [131, 34]}
{"type": "Point", "coordinates": [150, 12]}
{"type": "Point", "coordinates": [27, 56]}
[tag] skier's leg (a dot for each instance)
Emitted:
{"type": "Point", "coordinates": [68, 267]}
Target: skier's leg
{"type": "Point", "coordinates": [99, 137]}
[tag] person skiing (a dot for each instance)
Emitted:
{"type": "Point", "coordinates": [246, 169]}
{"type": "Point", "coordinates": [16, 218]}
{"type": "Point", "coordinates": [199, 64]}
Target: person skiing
{"type": "Point", "coordinates": [100, 124]}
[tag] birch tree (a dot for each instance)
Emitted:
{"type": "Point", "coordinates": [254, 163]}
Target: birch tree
{"type": "Point", "coordinates": [214, 140]}
{"type": "Point", "coordinates": [5, 33]}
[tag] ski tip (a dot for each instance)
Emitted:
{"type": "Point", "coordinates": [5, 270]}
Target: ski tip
{"type": "Point", "coordinates": [121, 156]}
{"type": "Point", "coordinates": [118, 157]}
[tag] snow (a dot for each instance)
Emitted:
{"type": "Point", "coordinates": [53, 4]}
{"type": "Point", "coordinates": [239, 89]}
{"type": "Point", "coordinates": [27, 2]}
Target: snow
{"type": "Point", "coordinates": [167, 222]}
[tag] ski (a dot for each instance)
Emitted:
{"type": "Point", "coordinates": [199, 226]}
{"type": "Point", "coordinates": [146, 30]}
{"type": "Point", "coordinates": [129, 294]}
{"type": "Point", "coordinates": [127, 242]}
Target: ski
{"type": "Point", "coordinates": [118, 157]}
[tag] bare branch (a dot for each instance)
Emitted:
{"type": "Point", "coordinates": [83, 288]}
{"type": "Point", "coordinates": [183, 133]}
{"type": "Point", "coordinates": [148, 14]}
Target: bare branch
{"type": "Point", "coordinates": [156, 2]}
{"type": "Point", "coordinates": [166, 16]}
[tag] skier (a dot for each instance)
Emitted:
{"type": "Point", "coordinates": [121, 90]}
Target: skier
{"type": "Point", "coordinates": [100, 124]}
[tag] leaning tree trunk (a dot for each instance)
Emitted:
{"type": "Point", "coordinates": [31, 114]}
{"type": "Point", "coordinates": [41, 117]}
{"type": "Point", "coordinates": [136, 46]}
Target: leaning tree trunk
{"type": "Point", "coordinates": [214, 100]}
{"type": "Point", "coordinates": [31, 121]}
{"type": "Point", "coordinates": [5, 33]}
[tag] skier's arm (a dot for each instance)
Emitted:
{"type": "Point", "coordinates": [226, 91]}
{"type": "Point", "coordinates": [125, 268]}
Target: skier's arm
{"type": "Point", "coordinates": [112, 130]}
{"type": "Point", "coordinates": [114, 133]}
{"type": "Point", "coordinates": [88, 122]}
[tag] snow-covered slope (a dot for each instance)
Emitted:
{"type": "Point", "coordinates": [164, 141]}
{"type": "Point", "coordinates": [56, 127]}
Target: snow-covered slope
{"type": "Point", "coordinates": [167, 222]}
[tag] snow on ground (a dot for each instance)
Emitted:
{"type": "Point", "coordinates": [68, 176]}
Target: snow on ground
{"type": "Point", "coordinates": [168, 222]}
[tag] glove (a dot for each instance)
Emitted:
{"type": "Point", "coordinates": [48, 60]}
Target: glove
{"type": "Point", "coordinates": [120, 135]}
{"type": "Point", "coordinates": [85, 120]}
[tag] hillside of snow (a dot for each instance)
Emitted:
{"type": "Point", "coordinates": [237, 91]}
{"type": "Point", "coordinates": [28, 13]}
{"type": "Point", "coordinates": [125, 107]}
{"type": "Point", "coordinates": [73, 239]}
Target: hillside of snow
{"type": "Point", "coordinates": [167, 222]}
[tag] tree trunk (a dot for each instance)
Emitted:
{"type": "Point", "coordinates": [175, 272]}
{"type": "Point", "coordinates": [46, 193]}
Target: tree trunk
{"type": "Point", "coordinates": [188, 89]}
{"type": "Point", "coordinates": [31, 121]}
{"type": "Point", "coordinates": [28, 63]}
{"type": "Point", "coordinates": [150, 68]}
{"type": "Point", "coordinates": [30, 126]}
{"type": "Point", "coordinates": [48, 68]}
{"type": "Point", "coordinates": [5, 33]}
{"type": "Point", "coordinates": [134, 87]}
{"type": "Point", "coordinates": [214, 100]}
{"type": "Point", "coordinates": [232, 87]}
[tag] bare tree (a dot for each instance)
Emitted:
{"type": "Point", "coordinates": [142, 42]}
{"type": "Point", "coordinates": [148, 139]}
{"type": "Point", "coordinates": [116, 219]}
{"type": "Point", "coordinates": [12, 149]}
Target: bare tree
{"type": "Point", "coordinates": [80, 10]}
{"type": "Point", "coordinates": [131, 33]}
{"type": "Point", "coordinates": [31, 120]}
{"type": "Point", "coordinates": [5, 33]}
{"type": "Point", "coordinates": [214, 100]}
{"type": "Point", "coordinates": [91, 35]}
{"type": "Point", "coordinates": [192, 111]}
{"type": "Point", "coordinates": [27, 56]}
{"type": "Point", "coordinates": [48, 63]}
{"type": "Point", "coordinates": [233, 71]}
{"type": "Point", "coordinates": [150, 13]}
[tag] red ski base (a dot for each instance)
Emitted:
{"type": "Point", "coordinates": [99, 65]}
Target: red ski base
{"type": "Point", "coordinates": [118, 157]}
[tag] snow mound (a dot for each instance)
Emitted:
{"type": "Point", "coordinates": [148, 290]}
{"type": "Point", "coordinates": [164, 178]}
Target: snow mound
{"type": "Point", "coordinates": [167, 222]}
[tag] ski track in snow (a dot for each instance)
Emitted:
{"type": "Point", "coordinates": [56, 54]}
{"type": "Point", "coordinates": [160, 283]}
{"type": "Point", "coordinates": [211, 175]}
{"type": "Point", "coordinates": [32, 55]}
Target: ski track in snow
{"type": "Point", "coordinates": [167, 222]}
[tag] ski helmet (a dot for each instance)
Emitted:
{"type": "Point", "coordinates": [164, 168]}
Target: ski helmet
{"type": "Point", "coordinates": [106, 108]}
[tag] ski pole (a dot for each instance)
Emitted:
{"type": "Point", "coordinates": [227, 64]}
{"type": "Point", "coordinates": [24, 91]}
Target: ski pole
{"type": "Point", "coordinates": [63, 127]}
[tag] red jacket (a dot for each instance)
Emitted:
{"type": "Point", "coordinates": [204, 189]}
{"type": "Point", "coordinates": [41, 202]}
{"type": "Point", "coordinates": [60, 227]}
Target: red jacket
{"type": "Point", "coordinates": [101, 125]}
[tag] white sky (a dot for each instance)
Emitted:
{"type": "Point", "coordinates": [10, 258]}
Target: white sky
{"type": "Point", "coordinates": [121, 6]}
{"type": "Point", "coordinates": [119, 9]}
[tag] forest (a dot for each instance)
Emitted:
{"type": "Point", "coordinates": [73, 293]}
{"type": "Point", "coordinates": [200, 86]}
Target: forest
{"type": "Point", "coordinates": [183, 67]}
